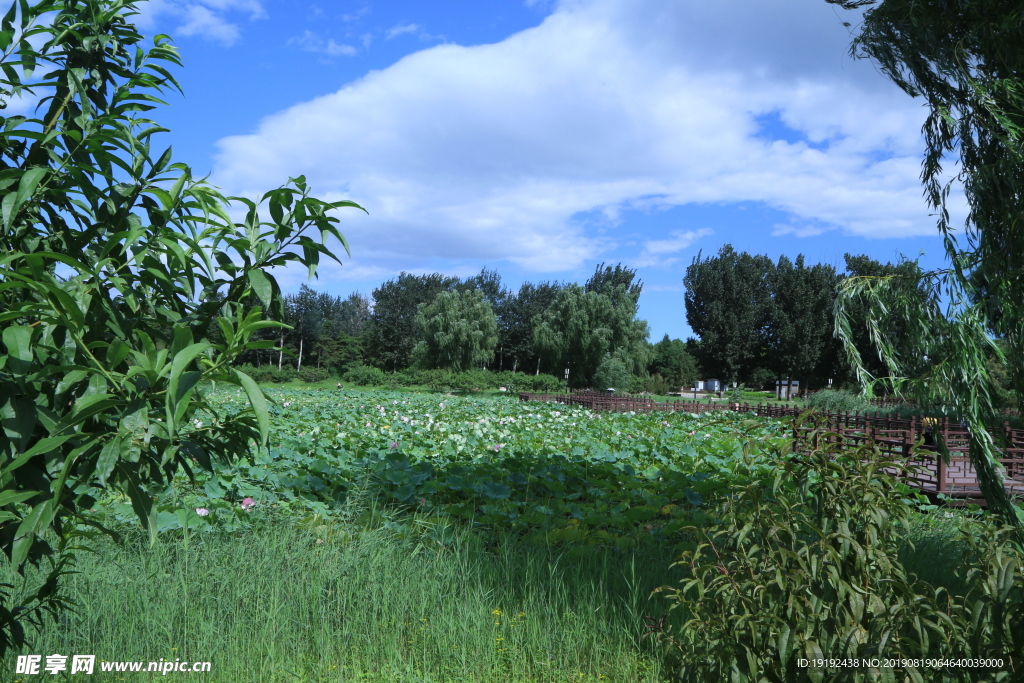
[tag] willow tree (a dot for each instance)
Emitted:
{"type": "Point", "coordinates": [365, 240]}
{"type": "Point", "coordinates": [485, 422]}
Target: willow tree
{"type": "Point", "coordinates": [459, 331]}
{"type": "Point", "coordinates": [965, 58]}
{"type": "Point", "coordinates": [581, 329]}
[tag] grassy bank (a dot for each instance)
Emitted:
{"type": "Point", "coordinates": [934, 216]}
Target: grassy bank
{"type": "Point", "coordinates": [329, 604]}
{"type": "Point", "coordinates": [332, 603]}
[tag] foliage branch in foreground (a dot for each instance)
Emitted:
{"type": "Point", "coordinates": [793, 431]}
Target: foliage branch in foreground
{"type": "Point", "coordinates": [965, 58]}
{"type": "Point", "coordinates": [804, 566]}
{"type": "Point", "coordinates": [115, 263]}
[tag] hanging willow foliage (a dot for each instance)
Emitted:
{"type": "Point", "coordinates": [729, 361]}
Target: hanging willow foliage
{"type": "Point", "coordinates": [966, 59]}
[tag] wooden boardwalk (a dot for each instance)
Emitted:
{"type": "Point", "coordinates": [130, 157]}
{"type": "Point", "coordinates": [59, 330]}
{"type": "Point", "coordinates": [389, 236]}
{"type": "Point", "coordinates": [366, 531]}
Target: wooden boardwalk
{"type": "Point", "coordinates": [911, 441]}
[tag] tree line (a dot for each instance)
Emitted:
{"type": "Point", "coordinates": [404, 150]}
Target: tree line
{"type": "Point", "coordinates": [758, 320]}
{"type": "Point", "coordinates": [755, 320]}
{"type": "Point", "coordinates": [582, 333]}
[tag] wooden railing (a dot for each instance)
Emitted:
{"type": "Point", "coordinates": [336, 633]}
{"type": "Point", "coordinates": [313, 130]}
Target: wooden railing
{"type": "Point", "coordinates": [894, 435]}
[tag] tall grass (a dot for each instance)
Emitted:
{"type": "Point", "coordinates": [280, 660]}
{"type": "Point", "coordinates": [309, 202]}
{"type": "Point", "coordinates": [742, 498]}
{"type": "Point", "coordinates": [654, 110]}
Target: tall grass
{"type": "Point", "coordinates": [934, 548]}
{"type": "Point", "coordinates": [333, 603]}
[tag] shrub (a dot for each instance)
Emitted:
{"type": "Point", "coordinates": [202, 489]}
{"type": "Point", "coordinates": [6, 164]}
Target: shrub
{"type": "Point", "coordinates": [286, 374]}
{"type": "Point", "coordinates": [541, 383]}
{"type": "Point", "coordinates": [612, 374]}
{"type": "Point", "coordinates": [248, 369]}
{"type": "Point", "coordinates": [472, 380]}
{"type": "Point", "coordinates": [313, 374]}
{"type": "Point", "coordinates": [656, 384]}
{"type": "Point", "coordinates": [435, 380]}
{"type": "Point", "coordinates": [805, 565]}
{"type": "Point", "coordinates": [269, 373]}
{"type": "Point", "coordinates": [365, 376]}
{"type": "Point", "coordinates": [836, 400]}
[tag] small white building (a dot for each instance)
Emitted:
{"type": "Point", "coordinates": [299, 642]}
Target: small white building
{"type": "Point", "coordinates": [698, 385]}
{"type": "Point", "coordinates": [713, 385]}
{"type": "Point", "coordinates": [784, 390]}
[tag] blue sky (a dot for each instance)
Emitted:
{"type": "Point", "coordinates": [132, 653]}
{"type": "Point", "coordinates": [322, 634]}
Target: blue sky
{"type": "Point", "coordinates": [541, 138]}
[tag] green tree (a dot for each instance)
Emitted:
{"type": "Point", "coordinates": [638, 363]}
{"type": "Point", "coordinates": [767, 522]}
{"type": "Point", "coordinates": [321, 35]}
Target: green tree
{"type": "Point", "coordinates": [521, 310]}
{"type": "Point", "coordinates": [392, 332]}
{"type": "Point", "coordinates": [459, 331]}
{"type": "Point", "coordinates": [612, 373]}
{"type": "Point", "coordinates": [606, 278]}
{"type": "Point", "coordinates": [115, 264]}
{"type": "Point", "coordinates": [500, 298]}
{"type": "Point", "coordinates": [671, 360]}
{"type": "Point", "coordinates": [964, 58]}
{"type": "Point", "coordinates": [800, 325]}
{"type": "Point", "coordinates": [353, 315]}
{"type": "Point", "coordinates": [307, 314]}
{"type": "Point", "coordinates": [728, 305]}
{"type": "Point", "coordinates": [581, 328]}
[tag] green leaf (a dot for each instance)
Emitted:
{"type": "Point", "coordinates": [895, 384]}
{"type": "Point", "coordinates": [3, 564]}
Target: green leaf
{"type": "Point", "coordinates": [258, 401]}
{"type": "Point", "coordinates": [18, 340]}
{"type": "Point", "coordinates": [142, 502]}
{"type": "Point", "coordinates": [109, 455]}
{"type": "Point", "coordinates": [261, 285]}
{"type": "Point", "coordinates": [40, 517]}
{"type": "Point", "coordinates": [11, 497]}
{"type": "Point", "coordinates": [13, 201]}
{"type": "Point", "coordinates": [181, 360]}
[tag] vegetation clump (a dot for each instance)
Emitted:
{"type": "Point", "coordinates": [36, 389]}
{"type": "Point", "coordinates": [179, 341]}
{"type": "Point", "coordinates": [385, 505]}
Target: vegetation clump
{"type": "Point", "coordinates": [803, 566]}
{"type": "Point", "coordinates": [837, 401]}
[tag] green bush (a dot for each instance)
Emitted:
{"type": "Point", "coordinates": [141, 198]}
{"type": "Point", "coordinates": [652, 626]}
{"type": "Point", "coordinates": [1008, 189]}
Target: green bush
{"type": "Point", "coordinates": [523, 381]}
{"type": "Point", "coordinates": [366, 376]}
{"type": "Point", "coordinates": [837, 401]}
{"type": "Point", "coordinates": [545, 383]}
{"type": "Point", "coordinates": [269, 373]}
{"type": "Point", "coordinates": [313, 374]}
{"type": "Point", "coordinates": [472, 380]}
{"type": "Point", "coordinates": [656, 384]}
{"type": "Point", "coordinates": [612, 374]}
{"type": "Point", "coordinates": [805, 565]}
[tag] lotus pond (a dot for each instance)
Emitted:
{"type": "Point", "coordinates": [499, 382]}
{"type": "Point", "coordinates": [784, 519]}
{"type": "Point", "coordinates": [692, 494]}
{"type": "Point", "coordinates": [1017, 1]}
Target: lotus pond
{"type": "Point", "coordinates": [549, 471]}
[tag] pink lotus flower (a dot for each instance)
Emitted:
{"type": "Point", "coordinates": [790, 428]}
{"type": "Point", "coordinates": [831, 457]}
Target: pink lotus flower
{"type": "Point", "coordinates": [202, 512]}
{"type": "Point", "coordinates": [497, 447]}
{"type": "Point", "coordinates": [394, 445]}
{"type": "Point", "coordinates": [248, 503]}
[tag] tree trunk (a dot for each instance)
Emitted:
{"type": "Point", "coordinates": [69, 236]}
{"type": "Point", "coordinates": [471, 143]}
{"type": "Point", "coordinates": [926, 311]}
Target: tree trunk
{"type": "Point", "coordinates": [538, 366]}
{"type": "Point", "coordinates": [280, 354]}
{"type": "Point", "coordinates": [299, 366]}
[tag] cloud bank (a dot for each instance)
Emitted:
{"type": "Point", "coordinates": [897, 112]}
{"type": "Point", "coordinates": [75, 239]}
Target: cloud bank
{"type": "Point", "coordinates": [501, 152]}
{"type": "Point", "coordinates": [204, 18]}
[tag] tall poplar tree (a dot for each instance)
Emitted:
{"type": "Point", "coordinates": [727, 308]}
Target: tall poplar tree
{"type": "Point", "coordinates": [392, 331]}
{"type": "Point", "coordinates": [728, 305]}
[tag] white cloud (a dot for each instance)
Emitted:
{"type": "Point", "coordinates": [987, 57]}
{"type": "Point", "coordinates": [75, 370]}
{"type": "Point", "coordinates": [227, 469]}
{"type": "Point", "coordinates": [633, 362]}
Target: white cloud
{"type": "Point", "coordinates": [402, 28]}
{"type": "Point", "coordinates": [493, 152]}
{"type": "Point", "coordinates": [658, 253]}
{"type": "Point", "coordinates": [781, 229]}
{"type": "Point", "coordinates": [205, 18]}
{"type": "Point", "coordinates": [311, 42]}
{"type": "Point", "coordinates": [680, 240]}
